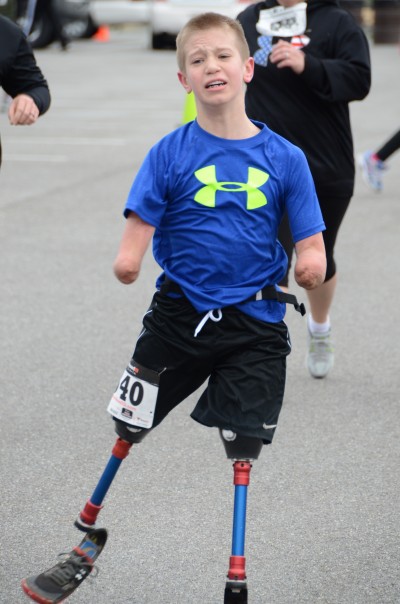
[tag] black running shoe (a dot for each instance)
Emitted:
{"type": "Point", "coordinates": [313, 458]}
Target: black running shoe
{"type": "Point", "coordinates": [57, 583]}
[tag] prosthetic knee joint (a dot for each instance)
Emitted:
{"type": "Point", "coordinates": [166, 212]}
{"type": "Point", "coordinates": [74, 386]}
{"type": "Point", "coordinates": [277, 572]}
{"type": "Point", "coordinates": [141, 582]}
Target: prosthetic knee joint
{"type": "Point", "coordinates": [243, 450]}
{"type": "Point", "coordinates": [129, 433]}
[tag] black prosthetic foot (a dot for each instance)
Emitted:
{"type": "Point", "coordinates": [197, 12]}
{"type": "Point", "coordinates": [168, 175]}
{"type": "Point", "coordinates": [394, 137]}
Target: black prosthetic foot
{"type": "Point", "coordinates": [235, 592]}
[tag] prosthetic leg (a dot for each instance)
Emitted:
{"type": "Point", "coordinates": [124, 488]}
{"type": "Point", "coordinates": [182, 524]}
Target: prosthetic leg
{"type": "Point", "coordinates": [242, 450]}
{"type": "Point", "coordinates": [57, 583]}
{"type": "Point", "coordinates": [126, 438]}
{"type": "Point", "coordinates": [60, 581]}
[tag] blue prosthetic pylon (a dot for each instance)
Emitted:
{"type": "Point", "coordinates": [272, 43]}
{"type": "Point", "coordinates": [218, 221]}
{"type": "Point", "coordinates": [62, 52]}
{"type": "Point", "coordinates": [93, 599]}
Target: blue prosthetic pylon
{"type": "Point", "coordinates": [88, 515]}
{"type": "Point", "coordinates": [236, 585]}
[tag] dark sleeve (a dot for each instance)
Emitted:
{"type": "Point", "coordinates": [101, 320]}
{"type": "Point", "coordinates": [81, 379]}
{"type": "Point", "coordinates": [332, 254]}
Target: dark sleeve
{"type": "Point", "coordinates": [248, 19]}
{"type": "Point", "coordinates": [345, 75]}
{"type": "Point", "coordinates": [20, 73]}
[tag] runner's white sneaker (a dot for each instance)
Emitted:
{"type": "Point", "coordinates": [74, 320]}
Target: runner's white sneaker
{"type": "Point", "coordinates": [372, 170]}
{"type": "Point", "coordinates": [320, 355]}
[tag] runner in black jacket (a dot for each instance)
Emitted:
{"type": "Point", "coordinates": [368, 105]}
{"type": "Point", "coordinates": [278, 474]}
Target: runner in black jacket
{"type": "Point", "coordinates": [20, 76]}
{"type": "Point", "coordinates": [303, 83]}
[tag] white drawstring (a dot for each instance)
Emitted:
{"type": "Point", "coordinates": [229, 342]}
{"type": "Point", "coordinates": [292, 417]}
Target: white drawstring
{"type": "Point", "coordinates": [204, 320]}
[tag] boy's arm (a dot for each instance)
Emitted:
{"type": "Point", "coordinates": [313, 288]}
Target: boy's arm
{"type": "Point", "coordinates": [310, 267]}
{"type": "Point", "coordinates": [134, 243]}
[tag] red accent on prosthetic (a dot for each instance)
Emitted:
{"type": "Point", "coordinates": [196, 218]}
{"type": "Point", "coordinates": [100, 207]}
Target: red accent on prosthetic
{"type": "Point", "coordinates": [121, 448]}
{"type": "Point", "coordinates": [90, 512]}
{"type": "Point", "coordinates": [237, 568]}
{"type": "Point", "coordinates": [93, 506]}
{"type": "Point", "coordinates": [241, 473]}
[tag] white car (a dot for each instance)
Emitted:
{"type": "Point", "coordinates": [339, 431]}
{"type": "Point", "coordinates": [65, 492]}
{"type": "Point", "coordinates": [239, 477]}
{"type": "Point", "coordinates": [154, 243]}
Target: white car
{"type": "Point", "coordinates": [167, 17]}
{"type": "Point", "coordinates": [118, 12]}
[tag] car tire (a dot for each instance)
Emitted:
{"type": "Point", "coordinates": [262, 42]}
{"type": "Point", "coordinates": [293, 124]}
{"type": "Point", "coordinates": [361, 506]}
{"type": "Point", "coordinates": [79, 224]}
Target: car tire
{"type": "Point", "coordinates": [157, 41]}
{"type": "Point", "coordinates": [163, 41]}
{"type": "Point", "coordinates": [42, 32]}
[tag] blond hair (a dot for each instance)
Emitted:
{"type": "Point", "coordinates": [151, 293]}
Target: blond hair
{"type": "Point", "coordinates": [207, 21]}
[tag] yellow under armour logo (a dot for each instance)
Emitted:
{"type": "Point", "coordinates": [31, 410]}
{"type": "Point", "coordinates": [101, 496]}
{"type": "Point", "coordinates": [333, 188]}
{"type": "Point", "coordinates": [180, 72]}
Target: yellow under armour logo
{"type": "Point", "coordinates": [208, 176]}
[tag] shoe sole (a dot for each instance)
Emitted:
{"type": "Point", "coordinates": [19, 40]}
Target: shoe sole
{"type": "Point", "coordinates": [35, 597]}
{"type": "Point", "coordinates": [313, 375]}
{"type": "Point", "coordinates": [318, 377]}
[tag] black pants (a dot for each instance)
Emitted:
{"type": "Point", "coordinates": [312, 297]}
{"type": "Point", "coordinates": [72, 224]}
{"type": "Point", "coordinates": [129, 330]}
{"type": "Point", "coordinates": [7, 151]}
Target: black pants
{"type": "Point", "coordinates": [243, 359]}
{"type": "Point", "coordinates": [49, 9]}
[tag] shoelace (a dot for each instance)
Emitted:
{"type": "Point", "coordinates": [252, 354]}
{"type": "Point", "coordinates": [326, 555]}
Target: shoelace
{"type": "Point", "coordinates": [70, 567]}
{"type": "Point", "coordinates": [209, 315]}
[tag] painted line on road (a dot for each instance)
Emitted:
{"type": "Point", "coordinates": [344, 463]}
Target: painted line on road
{"type": "Point", "coordinates": [109, 142]}
{"type": "Point", "coordinates": [55, 159]}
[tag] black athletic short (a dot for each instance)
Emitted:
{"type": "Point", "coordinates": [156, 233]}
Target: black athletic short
{"type": "Point", "coordinates": [243, 359]}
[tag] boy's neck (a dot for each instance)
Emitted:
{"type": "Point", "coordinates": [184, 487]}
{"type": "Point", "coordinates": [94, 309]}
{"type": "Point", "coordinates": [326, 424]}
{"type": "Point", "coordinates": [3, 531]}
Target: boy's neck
{"type": "Point", "coordinates": [228, 127]}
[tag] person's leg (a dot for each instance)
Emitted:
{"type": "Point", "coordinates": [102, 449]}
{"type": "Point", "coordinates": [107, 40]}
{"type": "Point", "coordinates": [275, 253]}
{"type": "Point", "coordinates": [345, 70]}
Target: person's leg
{"type": "Point", "coordinates": [245, 391]}
{"type": "Point", "coordinates": [372, 163]}
{"type": "Point", "coordinates": [243, 399]}
{"type": "Point", "coordinates": [179, 368]}
{"type": "Point", "coordinates": [242, 451]}
{"type": "Point", "coordinates": [389, 147]}
{"type": "Point", "coordinates": [320, 355]}
{"type": "Point", "coordinates": [321, 298]}
{"type": "Point", "coordinates": [58, 27]}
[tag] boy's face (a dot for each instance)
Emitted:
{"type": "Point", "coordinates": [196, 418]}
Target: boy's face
{"type": "Point", "coordinates": [214, 67]}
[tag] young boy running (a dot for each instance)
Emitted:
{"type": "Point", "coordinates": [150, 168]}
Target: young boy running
{"type": "Point", "coordinates": [211, 195]}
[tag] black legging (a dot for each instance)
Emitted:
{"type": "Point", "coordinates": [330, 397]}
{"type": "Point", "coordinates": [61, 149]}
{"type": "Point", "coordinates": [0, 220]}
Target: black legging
{"type": "Point", "coordinates": [389, 147]}
{"type": "Point", "coordinates": [47, 7]}
{"type": "Point", "coordinates": [333, 211]}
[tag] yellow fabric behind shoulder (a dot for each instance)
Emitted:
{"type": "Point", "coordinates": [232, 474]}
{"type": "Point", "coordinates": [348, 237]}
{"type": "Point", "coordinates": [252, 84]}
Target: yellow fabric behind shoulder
{"type": "Point", "coordinates": [189, 110]}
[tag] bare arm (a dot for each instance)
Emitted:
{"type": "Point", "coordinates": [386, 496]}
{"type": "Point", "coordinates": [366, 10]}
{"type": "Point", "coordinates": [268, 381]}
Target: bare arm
{"type": "Point", "coordinates": [134, 243]}
{"type": "Point", "coordinates": [310, 265]}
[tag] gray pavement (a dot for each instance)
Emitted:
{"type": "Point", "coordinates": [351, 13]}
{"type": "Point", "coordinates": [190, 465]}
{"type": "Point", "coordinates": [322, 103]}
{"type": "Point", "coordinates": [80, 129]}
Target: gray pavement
{"type": "Point", "coordinates": [323, 508]}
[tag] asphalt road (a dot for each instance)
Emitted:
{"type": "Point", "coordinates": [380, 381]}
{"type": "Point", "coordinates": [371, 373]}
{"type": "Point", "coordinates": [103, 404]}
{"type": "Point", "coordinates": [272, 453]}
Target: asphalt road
{"type": "Point", "coordinates": [323, 506]}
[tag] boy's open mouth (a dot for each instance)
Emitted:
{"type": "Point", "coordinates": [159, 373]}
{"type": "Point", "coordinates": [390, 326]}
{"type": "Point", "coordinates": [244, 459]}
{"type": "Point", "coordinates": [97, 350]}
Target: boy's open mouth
{"type": "Point", "coordinates": [216, 84]}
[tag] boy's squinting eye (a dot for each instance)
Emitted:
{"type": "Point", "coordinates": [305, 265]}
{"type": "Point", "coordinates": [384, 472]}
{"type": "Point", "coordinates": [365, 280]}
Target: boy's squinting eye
{"type": "Point", "coordinates": [195, 59]}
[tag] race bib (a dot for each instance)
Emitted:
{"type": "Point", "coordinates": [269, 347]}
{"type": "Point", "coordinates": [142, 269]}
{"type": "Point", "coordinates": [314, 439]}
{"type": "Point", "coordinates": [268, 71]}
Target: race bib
{"type": "Point", "coordinates": [283, 22]}
{"type": "Point", "coordinates": [134, 401]}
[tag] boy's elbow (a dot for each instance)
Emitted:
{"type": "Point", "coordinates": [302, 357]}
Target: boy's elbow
{"type": "Point", "coordinates": [311, 275]}
{"type": "Point", "coordinates": [125, 271]}
{"type": "Point", "coordinates": [310, 267]}
{"type": "Point", "coordinates": [310, 279]}
{"type": "Point", "coordinates": [126, 277]}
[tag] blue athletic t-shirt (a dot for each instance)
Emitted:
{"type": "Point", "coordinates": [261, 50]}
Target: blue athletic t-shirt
{"type": "Point", "coordinates": [216, 205]}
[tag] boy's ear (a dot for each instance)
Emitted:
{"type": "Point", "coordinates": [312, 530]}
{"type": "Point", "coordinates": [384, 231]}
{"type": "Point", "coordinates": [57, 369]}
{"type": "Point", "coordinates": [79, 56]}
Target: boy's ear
{"type": "Point", "coordinates": [183, 80]}
{"type": "Point", "coordinates": [249, 70]}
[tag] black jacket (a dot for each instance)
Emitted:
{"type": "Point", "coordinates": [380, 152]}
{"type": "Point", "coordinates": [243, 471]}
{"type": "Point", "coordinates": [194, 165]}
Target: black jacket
{"type": "Point", "coordinates": [19, 73]}
{"type": "Point", "coordinates": [311, 110]}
